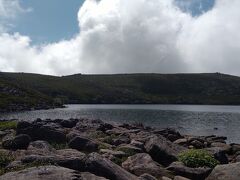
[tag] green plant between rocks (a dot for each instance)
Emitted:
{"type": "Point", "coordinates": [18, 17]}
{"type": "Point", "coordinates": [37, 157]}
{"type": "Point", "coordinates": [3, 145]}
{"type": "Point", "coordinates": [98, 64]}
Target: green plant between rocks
{"type": "Point", "coordinates": [8, 125]}
{"type": "Point", "coordinates": [195, 158]}
{"type": "Point", "coordinates": [5, 159]}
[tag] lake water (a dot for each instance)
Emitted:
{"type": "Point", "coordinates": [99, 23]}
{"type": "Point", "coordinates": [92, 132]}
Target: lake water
{"type": "Point", "coordinates": [188, 119]}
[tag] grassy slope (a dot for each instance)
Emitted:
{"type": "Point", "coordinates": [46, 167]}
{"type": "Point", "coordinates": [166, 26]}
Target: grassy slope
{"type": "Point", "coordinates": [14, 97]}
{"type": "Point", "coordinates": [136, 88]}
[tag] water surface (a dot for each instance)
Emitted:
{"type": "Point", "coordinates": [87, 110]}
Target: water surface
{"type": "Point", "coordinates": [189, 119]}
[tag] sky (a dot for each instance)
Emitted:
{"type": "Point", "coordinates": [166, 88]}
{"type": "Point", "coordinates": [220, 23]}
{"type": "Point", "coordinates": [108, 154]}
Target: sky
{"type": "Point", "coordinates": [119, 36]}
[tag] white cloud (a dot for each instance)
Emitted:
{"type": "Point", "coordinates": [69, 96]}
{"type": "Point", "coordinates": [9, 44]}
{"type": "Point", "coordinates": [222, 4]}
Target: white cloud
{"type": "Point", "coordinates": [119, 36]}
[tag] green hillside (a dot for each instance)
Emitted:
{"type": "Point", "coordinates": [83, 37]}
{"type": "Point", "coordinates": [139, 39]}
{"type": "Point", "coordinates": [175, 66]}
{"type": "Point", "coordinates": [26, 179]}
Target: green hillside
{"type": "Point", "coordinates": [212, 88]}
{"type": "Point", "coordinates": [14, 97]}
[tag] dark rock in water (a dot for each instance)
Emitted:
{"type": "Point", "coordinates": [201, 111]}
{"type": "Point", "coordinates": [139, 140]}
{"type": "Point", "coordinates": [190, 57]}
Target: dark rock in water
{"type": "Point", "coordinates": [193, 173]}
{"type": "Point", "coordinates": [48, 173]}
{"type": "Point", "coordinates": [100, 166]}
{"type": "Point", "coordinates": [69, 123]}
{"type": "Point", "coordinates": [162, 150]}
{"type": "Point", "coordinates": [146, 177]}
{"type": "Point", "coordinates": [142, 163]}
{"type": "Point", "coordinates": [83, 144]}
{"type": "Point", "coordinates": [225, 172]}
{"type": "Point", "coordinates": [39, 131]}
{"type": "Point", "coordinates": [19, 142]}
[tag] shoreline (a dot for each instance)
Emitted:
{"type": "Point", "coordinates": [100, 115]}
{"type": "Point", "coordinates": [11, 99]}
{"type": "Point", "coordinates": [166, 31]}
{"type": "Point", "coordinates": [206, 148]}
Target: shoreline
{"type": "Point", "coordinates": [121, 151]}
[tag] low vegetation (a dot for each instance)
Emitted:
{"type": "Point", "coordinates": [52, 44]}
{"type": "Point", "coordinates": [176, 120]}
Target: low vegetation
{"type": "Point", "coordinates": [198, 158]}
{"type": "Point", "coordinates": [8, 125]}
{"type": "Point", "coordinates": [5, 159]}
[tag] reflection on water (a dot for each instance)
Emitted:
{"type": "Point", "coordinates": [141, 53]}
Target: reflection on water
{"type": "Point", "coordinates": [190, 119]}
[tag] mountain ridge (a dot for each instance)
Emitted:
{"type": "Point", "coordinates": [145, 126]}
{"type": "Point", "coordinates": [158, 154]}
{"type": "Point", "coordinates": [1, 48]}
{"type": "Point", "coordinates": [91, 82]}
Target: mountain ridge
{"type": "Point", "coordinates": [138, 88]}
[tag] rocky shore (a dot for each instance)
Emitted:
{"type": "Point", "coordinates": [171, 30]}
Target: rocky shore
{"type": "Point", "coordinates": [83, 149]}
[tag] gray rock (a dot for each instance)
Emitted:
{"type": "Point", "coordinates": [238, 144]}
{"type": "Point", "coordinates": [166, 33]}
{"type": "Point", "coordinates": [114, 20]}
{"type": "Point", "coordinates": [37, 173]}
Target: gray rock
{"type": "Point", "coordinates": [225, 172]}
{"type": "Point", "coordinates": [19, 142]}
{"type": "Point", "coordinates": [192, 173]}
{"type": "Point", "coordinates": [70, 123]}
{"type": "Point", "coordinates": [197, 144]}
{"type": "Point", "coordinates": [182, 141]}
{"type": "Point", "coordinates": [48, 173]}
{"type": "Point", "coordinates": [180, 178]}
{"type": "Point", "coordinates": [147, 177]}
{"type": "Point", "coordinates": [68, 158]}
{"type": "Point", "coordinates": [218, 153]}
{"type": "Point", "coordinates": [235, 148]}
{"type": "Point", "coordinates": [225, 147]}
{"type": "Point", "coordinates": [100, 166]}
{"type": "Point", "coordinates": [40, 146]}
{"type": "Point", "coordinates": [137, 144]}
{"type": "Point", "coordinates": [41, 131]}
{"type": "Point", "coordinates": [142, 163]}
{"type": "Point", "coordinates": [118, 154]}
{"type": "Point", "coordinates": [83, 144]}
{"type": "Point", "coordinates": [121, 140]}
{"type": "Point", "coordinates": [162, 150]}
{"type": "Point", "coordinates": [129, 149]}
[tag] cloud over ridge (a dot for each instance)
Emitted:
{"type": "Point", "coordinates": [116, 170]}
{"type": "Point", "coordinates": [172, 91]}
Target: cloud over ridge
{"type": "Point", "coordinates": [122, 36]}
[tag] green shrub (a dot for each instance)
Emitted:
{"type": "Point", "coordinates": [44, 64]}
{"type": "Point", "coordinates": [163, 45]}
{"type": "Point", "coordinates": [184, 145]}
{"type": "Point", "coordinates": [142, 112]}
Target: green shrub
{"type": "Point", "coordinates": [8, 125]}
{"type": "Point", "coordinates": [197, 158]}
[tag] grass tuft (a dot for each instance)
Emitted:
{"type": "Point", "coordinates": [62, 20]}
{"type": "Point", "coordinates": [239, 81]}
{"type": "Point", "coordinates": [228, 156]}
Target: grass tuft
{"type": "Point", "coordinates": [8, 125]}
{"type": "Point", "coordinates": [195, 158]}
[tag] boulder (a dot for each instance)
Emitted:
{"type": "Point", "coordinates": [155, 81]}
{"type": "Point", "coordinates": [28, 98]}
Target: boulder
{"type": "Point", "coordinates": [182, 141]}
{"type": "Point", "coordinates": [41, 131]}
{"type": "Point", "coordinates": [108, 152]}
{"type": "Point", "coordinates": [70, 123]}
{"type": "Point", "coordinates": [68, 158]}
{"type": "Point", "coordinates": [224, 147]}
{"type": "Point", "coordinates": [104, 127]}
{"type": "Point", "coordinates": [48, 173]}
{"type": "Point", "coordinates": [142, 163]}
{"type": "Point", "coordinates": [129, 149]}
{"type": "Point", "coordinates": [170, 134]}
{"type": "Point", "coordinates": [192, 173]}
{"type": "Point", "coordinates": [83, 144]}
{"type": "Point", "coordinates": [137, 144]}
{"type": "Point", "coordinates": [219, 154]}
{"type": "Point", "coordinates": [235, 148]}
{"type": "Point", "coordinates": [162, 150]}
{"type": "Point", "coordinates": [100, 166]}
{"type": "Point", "coordinates": [197, 144]}
{"type": "Point", "coordinates": [40, 147]}
{"type": "Point", "coordinates": [21, 141]}
{"type": "Point", "coordinates": [147, 177]}
{"type": "Point", "coordinates": [121, 140]}
{"type": "Point", "coordinates": [225, 172]}
{"type": "Point", "coordinates": [180, 178]}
